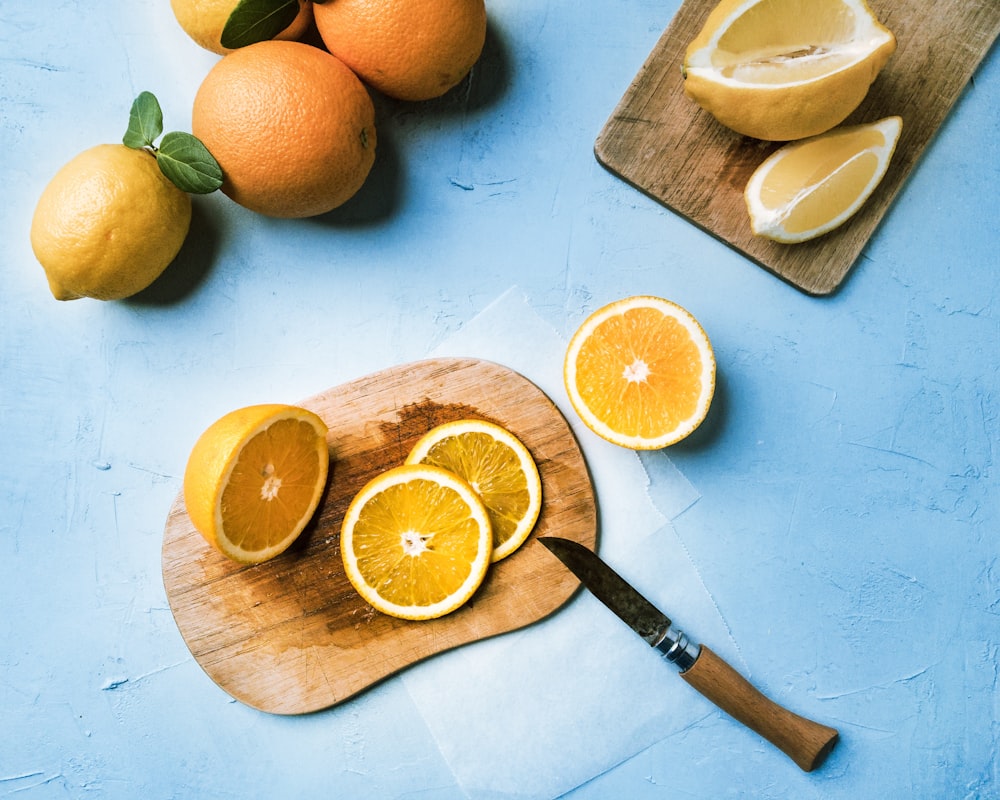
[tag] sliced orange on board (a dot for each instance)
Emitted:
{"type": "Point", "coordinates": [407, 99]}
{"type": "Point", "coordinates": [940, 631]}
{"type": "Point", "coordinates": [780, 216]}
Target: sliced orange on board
{"type": "Point", "coordinates": [500, 469]}
{"type": "Point", "coordinates": [254, 479]}
{"type": "Point", "coordinates": [416, 542]}
{"type": "Point", "coordinates": [640, 372]}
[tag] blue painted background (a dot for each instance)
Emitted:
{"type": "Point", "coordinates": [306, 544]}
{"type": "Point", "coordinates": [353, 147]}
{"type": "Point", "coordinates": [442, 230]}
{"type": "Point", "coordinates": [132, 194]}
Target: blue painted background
{"type": "Point", "coordinates": [847, 514]}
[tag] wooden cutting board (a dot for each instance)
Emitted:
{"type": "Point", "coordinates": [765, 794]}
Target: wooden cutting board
{"type": "Point", "coordinates": [662, 143]}
{"type": "Point", "coordinates": [291, 635]}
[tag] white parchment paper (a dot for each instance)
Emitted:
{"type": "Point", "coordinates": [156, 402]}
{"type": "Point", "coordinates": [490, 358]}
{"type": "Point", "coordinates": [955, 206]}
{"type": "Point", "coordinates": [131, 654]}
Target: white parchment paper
{"type": "Point", "coordinates": [537, 712]}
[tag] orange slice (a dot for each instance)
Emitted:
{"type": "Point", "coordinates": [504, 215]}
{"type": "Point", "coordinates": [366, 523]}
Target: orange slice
{"type": "Point", "coordinates": [254, 479]}
{"type": "Point", "coordinates": [785, 69]}
{"type": "Point", "coordinates": [810, 187]}
{"type": "Point", "coordinates": [416, 542]}
{"type": "Point", "coordinates": [498, 466]}
{"type": "Point", "coordinates": [640, 372]}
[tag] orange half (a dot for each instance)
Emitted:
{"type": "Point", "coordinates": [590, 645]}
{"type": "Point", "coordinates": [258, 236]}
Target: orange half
{"type": "Point", "coordinates": [640, 373]}
{"type": "Point", "coordinates": [254, 479]}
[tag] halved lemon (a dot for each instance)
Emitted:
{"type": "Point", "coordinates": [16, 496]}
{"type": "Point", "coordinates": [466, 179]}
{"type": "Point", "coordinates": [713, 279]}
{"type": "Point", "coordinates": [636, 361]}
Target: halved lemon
{"type": "Point", "coordinates": [785, 69]}
{"type": "Point", "coordinates": [640, 372]}
{"type": "Point", "coordinates": [498, 466]}
{"type": "Point", "coordinates": [807, 188]}
{"type": "Point", "coordinates": [416, 542]}
{"type": "Point", "coordinates": [254, 479]}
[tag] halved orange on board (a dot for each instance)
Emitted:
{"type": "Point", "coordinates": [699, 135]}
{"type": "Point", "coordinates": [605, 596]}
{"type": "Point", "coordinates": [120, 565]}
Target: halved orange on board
{"type": "Point", "coordinates": [640, 372]}
{"type": "Point", "coordinates": [254, 479]}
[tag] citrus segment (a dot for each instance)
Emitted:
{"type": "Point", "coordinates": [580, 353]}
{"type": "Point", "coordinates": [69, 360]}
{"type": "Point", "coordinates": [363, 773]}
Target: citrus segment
{"type": "Point", "coordinates": [785, 69]}
{"type": "Point", "coordinates": [108, 224]}
{"type": "Point", "coordinates": [291, 126]}
{"type": "Point", "coordinates": [640, 372]}
{"type": "Point", "coordinates": [807, 188]}
{"type": "Point", "coordinates": [254, 479]}
{"type": "Point", "coordinates": [416, 542]}
{"type": "Point", "coordinates": [500, 469]}
{"type": "Point", "coordinates": [407, 49]}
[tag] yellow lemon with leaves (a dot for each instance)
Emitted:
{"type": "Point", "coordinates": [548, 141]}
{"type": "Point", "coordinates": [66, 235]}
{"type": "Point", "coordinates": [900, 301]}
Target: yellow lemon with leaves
{"type": "Point", "coordinates": [108, 224]}
{"type": "Point", "coordinates": [224, 25]}
{"type": "Point", "coordinates": [114, 217]}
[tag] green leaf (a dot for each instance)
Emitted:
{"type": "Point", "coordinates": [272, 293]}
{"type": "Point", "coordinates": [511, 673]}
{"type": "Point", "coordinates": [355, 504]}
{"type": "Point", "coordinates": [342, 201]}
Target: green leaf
{"type": "Point", "coordinates": [145, 122]}
{"type": "Point", "coordinates": [257, 21]}
{"type": "Point", "coordinates": [188, 164]}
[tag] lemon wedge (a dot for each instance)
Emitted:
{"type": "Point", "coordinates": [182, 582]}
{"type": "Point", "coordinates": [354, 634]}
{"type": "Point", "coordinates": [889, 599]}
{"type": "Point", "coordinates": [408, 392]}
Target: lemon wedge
{"type": "Point", "coordinates": [807, 188]}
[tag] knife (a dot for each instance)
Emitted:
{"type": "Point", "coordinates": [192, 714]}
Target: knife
{"type": "Point", "coordinates": [806, 742]}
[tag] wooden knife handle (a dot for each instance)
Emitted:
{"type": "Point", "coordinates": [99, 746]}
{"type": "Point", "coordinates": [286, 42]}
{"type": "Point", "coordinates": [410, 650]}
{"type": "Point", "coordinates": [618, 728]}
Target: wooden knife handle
{"type": "Point", "coordinates": [806, 742]}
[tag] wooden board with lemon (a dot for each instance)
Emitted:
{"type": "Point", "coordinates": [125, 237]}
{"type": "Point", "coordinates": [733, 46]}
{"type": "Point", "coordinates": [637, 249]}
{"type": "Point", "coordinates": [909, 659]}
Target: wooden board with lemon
{"type": "Point", "coordinates": [292, 634]}
{"type": "Point", "coordinates": [728, 82]}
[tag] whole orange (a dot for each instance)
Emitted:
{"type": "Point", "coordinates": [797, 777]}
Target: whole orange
{"type": "Point", "coordinates": [407, 49]}
{"type": "Point", "coordinates": [291, 126]}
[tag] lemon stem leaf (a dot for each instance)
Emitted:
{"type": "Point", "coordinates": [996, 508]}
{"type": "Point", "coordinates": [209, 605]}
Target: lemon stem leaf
{"type": "Point", "coordinates": [254, 21]}
{"type": "Point", "coordinates": [188, 163]}
{"type": "Point", "coordinates": [145, 122]}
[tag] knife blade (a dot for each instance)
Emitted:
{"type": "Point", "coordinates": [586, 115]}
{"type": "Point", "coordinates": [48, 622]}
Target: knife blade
{"type": "Point", "coordinates": [806, 742]}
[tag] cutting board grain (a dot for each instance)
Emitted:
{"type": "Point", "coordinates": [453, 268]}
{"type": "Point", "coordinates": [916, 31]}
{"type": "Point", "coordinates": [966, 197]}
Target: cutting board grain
{"type": "Point", "coordinates": [662, 143]}
{"type": "Point", "coordinates": [291, 635]}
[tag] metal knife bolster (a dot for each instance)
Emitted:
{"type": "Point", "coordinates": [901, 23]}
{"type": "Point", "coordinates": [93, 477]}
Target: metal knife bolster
{"type": "Point", "coordinates": [677, 648]}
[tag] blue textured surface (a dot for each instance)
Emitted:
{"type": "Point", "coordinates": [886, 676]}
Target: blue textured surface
{"type": "Point", "coordinates": [847, 515]}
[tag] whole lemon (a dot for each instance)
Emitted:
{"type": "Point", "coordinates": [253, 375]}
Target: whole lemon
{"type": "Point", "coordinates": [203, 21]}
{"type": "Point", "coordinates": [108, 223]}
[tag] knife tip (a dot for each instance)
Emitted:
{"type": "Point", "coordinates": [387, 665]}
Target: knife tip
{"type": "Point", "coordinates": [551, 542]}
{"type": "Point", "coordinates": [562, 548]}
